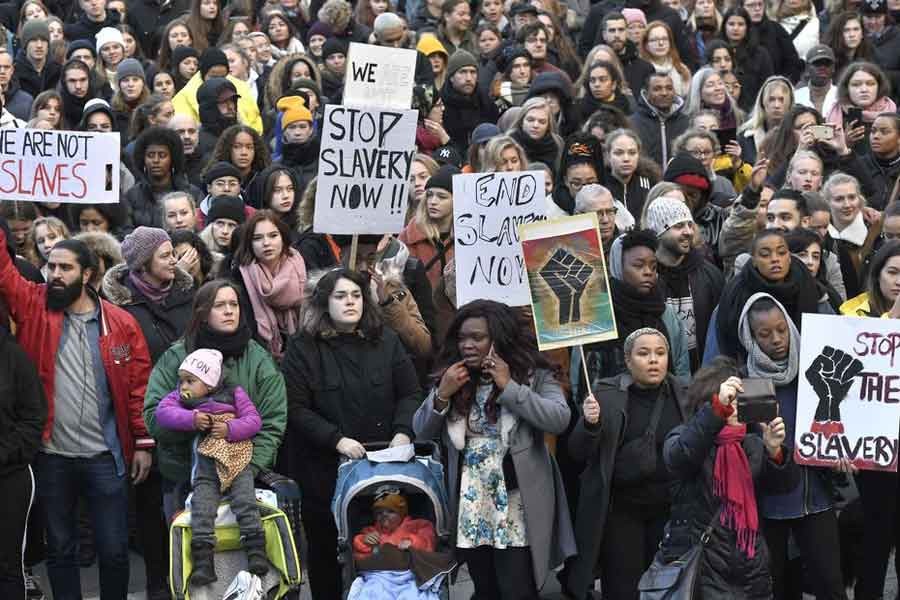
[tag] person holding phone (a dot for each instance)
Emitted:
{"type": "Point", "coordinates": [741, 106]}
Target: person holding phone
{"type": "Point", "coordinates": [723, 466]}
{"type": "Point", "coordinates": [770, 345]}
{"type": "Point", "coordinates": [863, 93]}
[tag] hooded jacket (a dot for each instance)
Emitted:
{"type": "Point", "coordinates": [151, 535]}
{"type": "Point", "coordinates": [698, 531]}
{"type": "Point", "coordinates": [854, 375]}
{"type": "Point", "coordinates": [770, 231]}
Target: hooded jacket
{"type": "Point", "coordinates": [187, 101]}
{"type": "Point", "coordinates": [123, 352]}
{"type": "Point", "coordinates": [657, 130]}
{"type": "Point", "coordinates": [23, 406]}
{"type": "Point", "coordinates": [163, 322]}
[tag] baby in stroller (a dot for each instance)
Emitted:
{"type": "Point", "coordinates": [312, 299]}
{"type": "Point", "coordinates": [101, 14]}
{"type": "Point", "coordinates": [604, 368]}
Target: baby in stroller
{"type": "Point", "coordinates": [227, 421]}
{"type": "Point", "coordinates": [393, 525]}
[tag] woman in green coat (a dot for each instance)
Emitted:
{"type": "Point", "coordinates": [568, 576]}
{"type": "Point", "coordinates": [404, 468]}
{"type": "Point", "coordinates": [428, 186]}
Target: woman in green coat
{"type": "Point", "coordinates": [217, 323]}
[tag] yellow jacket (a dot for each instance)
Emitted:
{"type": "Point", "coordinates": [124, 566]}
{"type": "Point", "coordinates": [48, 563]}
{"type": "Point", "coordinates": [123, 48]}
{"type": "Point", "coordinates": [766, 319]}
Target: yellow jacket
{"type": "Point", "coordinates": [185, 102]}
{"type": "Point", "coordinates": [723, 163]}
{"type": "Point", "coordinates": [859, 307]}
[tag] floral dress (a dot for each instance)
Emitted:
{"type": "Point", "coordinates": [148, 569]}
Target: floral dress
{"type": "Point", "coordinates": [489, 515]}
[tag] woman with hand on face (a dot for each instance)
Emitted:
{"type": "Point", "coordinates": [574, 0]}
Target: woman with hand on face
{"type": "Point", "coordinates": [493, 402]}
{"type": "Point", "coordinates": [722, 467]}
{"type": "Point", "coordinates": [625, 500]}
{"type": "Point", "coordinates": [351, 382]}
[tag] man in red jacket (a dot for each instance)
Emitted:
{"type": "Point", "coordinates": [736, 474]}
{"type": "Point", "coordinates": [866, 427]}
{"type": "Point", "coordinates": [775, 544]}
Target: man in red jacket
{"type": "Point", "coordinates": [94, 365]}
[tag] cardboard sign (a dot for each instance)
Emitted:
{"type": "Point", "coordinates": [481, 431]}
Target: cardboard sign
{"type": "Point", "coordinates": [487, 211]}
{"type": "Point", "coordinates": [72, 167]}
{"type": "Point", "coordinates": [379, 76]}
{"type": "Point", "coordinates": [570, 299]}
{"type": "Point", "coordinates": [848, 397]}
{"type": "Point", "coordinates": [364, 168]}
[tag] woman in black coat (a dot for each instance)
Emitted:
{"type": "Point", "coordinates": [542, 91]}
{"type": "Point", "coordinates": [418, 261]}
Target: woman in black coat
{"type": "Point", "coordinates": [349, 382]}
{"type": "Point", "coordinates": [735, 562]}
{"type": "Point", "coordinates": [753, 64]}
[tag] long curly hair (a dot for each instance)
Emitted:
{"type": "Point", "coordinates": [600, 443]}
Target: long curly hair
{"type": "Point", "coordinates": [513, 339]}
{"type": "Point", "coordinates": [222, 151]}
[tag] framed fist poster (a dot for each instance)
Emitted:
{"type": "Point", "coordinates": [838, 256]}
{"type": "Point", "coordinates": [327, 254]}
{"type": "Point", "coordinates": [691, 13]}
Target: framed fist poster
{"type": "Point", "coordinates": [848, 396]}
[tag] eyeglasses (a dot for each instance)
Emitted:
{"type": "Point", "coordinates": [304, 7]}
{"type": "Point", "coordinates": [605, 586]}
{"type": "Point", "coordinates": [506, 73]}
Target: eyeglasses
{"type": "Point", "coordinates": [700, 153]}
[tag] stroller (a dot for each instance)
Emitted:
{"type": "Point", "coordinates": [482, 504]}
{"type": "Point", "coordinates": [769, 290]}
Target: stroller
{"type": "Point", "coordinates": [278, 500]}
{"type": "Point", "coordinates": [421, 480]}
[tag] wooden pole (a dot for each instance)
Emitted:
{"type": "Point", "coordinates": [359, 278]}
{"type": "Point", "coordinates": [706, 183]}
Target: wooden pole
{"type": "Point", "coordinates": [587, 378]}
{"type": "Point", "coordinates": [354, 245]}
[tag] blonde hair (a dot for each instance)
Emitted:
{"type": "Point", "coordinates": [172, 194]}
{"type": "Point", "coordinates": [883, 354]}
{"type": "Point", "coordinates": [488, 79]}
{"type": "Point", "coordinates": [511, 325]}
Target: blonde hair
{"type": "Point", "coordinates": [589, 62]}
{"type": "Point", "coordinates": [495, 148]}
{"type": "Point", "coordinates": [52, 224]}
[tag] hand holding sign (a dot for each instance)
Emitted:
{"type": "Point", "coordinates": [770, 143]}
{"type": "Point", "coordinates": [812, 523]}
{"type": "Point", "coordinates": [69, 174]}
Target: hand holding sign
{"type": "Point", "coordinates": [567, 277]}
{"type": "Point", "coordinates": [831, 375]}
{"type": "Point", "coordinates": [591, 410]}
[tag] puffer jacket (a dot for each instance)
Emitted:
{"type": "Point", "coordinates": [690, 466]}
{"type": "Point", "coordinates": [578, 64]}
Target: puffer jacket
{"type": "Point", "coordinates": [186, 102]}
{"type": "Point", "coordinates": [690, 455]}
{"type": "Point", "coordinates": [658, 131]}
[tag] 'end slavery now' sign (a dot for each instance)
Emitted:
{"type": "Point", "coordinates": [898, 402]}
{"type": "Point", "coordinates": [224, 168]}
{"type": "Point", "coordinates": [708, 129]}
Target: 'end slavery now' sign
{"type": "Point", "coordinates": [40, 165]}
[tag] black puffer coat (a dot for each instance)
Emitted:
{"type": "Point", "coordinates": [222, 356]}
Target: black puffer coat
{"type": "Point", "coordinates": [690, 453]}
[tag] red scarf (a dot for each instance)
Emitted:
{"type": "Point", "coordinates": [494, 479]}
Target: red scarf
{"type": "Point", "coordinates": [733, 485]}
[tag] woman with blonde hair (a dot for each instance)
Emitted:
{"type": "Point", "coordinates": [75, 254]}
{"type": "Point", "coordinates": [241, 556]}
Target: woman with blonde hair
{"type": "Point", "coordinates": [429, 235]}
{"type": "Point", "coordinates": [659, 49]}
{"type": "Point", "coordinates": [774, 100]}
{"type": "Point", "coordinates": [44, 234]}
{"type": "Point", "coordinates": [503, 154]}
{"type": "Point", "coordinates": [707, 92]}
{"type": "Point", "coordinates": [535, 130]}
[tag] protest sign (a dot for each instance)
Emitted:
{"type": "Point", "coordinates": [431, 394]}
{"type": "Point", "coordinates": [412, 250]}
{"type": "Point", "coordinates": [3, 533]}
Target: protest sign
{"type": "Point", "coordinates": [568, 282]}
{"type": "Point", "coordinates": [487, 211]}
{"type": "Point", "coordinates": [42, 165]}
{"type": "Point", "coordinates": [379, 76]}
{"type": "Point", "coordinates": [848, 397]}
{"type": "Point", "coordinates": [364, 170]}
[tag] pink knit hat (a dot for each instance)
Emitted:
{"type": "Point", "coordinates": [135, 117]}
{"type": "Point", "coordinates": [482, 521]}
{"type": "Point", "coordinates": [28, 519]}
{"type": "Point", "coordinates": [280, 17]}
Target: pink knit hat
{"type": "Point", "coordinates": [634, 14]}
{"type": "Point", "coordinates": [204, 364]}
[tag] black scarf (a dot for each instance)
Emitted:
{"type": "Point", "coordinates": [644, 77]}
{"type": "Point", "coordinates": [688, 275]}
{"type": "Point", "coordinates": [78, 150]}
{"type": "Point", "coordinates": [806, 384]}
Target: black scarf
{"type": "Point", "coordinates": [798, 294]}
{"type": "Point", "coordinates": [590, 105]}
{"type": "Point", "coordinates": [544, 150]}
{"type": "Point", "coordinates": [635, 310]}
{"type": "Point", "coordinates": [231, 345]}
{"type": "Point", "coordinates": [300, 154]}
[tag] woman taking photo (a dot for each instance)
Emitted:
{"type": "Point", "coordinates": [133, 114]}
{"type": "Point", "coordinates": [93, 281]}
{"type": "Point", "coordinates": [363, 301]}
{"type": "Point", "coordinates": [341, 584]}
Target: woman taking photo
{"type": "Point", "coordinates": [351, 382]}
{"type": "Point", "coordinates": [535, 130]}
{"type": "Point", "coordinates": [216, 323]}
{"type": "Point", "coordinates": [659, 49]}
{"type": "Point", "coordinates": [863, 93]}
{"type": "Point", "coordinates": [495, 399]}
{"type": "Point", "coordinates": [603, 86]}
{"type": "Point", "coordinates": [624, 502]}
{"type": "Point", "coordinates": [628, 176]}
{"type": "Point", "coordinates": [751, 60]}
{"type": "Point", "coordinates": [273, 276]}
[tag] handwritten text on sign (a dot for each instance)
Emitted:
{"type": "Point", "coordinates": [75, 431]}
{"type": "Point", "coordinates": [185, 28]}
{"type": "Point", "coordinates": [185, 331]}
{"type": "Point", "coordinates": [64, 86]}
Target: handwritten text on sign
{"type": "Point", "coordinates": [848, 398]}
{"type": "Point", "coordinates": [487, 210]}
{"type": "Point", "coordinates": [379, 76]}
{"type": "Point", "coordinates": [364, 170]}
{"type": "Point", "coordinates": [39, 165]}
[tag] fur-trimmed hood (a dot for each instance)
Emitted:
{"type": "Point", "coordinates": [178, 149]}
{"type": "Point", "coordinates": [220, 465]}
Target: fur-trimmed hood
{"type": "Point", "coordinates": [115, 287]}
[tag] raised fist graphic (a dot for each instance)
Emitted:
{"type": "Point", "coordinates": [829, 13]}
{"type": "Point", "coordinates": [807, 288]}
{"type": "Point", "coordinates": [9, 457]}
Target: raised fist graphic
{"type": "Point", "coordinates": [831, 375]}
{"type": "Point", "coordinates": [567, 276]}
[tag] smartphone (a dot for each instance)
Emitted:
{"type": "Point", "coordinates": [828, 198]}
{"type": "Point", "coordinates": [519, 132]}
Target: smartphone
{"type": "Point", "coordinates": [390, 250]}
{"type": "Point", "coordinates": [851, 115]}
{"type": "Point", "coordinates": [757, 403]}
{"type": "Point", "coordinates": [726, 136]}
{"type": "Point", "coordinates": [822, 132]}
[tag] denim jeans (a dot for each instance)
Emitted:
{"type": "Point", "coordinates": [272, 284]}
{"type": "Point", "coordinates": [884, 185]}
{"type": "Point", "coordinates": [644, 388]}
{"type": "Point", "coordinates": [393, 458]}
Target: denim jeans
{"type": "Point", "coordinates": [61, 482]}
{"type": "Point", "coordinates": [205, 502]}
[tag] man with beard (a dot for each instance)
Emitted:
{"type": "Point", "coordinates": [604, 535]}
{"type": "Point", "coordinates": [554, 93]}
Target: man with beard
{"type": "Point", "coordinates": [615, 35]}
{"type": "Point", "coordinates": [93, 363]}
{"type": "Point", "coordinates": [217, 102]}
{"type": "Point", "coordinates": [659, 119]}
{"type": "Point", "coordinates": [691, 284]}
{"type": "Point", "coordinates": [188, 130]}
{"type": "Point", "coordinates": [76, 90]}
{"type": "Point", "coordinates": [820, 78]}
{"type": "Point", "coordinates": [465, 105]}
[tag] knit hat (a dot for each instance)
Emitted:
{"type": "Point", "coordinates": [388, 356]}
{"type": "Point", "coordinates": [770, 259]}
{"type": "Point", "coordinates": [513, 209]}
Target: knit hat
{"type": "Point", "coordinates": [128, 68]}
{"type": "Point", "coordinates": [461, 58]}
{"type": "Point", "coordinates": [319, 28]}
{"type": "Point", "coordinates": [523, 8]}
{"type": "Point", "coordinates": [205, 364]}
{"type": "Point", "coordinates": [226, 207]}
{"type": "Point", "coordinates": [80, 45]}
{"type": "Point", "coordinates": [443, 179]}
{"type": "Point", "coordinates": [484, 132]}
{"type": "Point", "coordinates": [685, 169]}
{"type": "Point", "coordinates": [390, 498]}
{"type": "Point", "coordinates": [139, 245]}
{"type": "Point", "coordinates": [633, 15]}
{"type": "Point", "coordinates": [221, 169]}
{"type": "Point", "coordinates": [210, 58]}
{"type": "Point", "coordinates": [305, 83]}
{"type": "Point", "coordinates": [109, 35]}
{"type": "Point", "coordinates": [873, 7]}
{"type": "Point", "coordinates": [554, 82]}
{"type": "Point", "coordinates": [182, 52]}
{"type": "Point", "coordinates": [429, 44]}
{"type": "Point", "coordinates": [37, 29]}
{"type": "Point", "coordinates": [96, 105]}
{"type": "Point", "coordinates": [664, 213]}
{"type": "Point", "coordinates": [508, 55]}
{"type": "Point", "coordinates": [333, 46]}
{"type": "Point", "coordinates": [293, 109]}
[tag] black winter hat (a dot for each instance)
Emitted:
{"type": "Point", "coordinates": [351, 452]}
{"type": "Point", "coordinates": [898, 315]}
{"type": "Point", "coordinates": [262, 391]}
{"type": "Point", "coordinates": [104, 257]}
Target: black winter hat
{"type": "Point", "coordinates": [333, 46]}
{"type": "Point", "coordinates": [443, 179]}
{"type": "Point", "coordinates": [552, 81]}
{"type": "Point", "coordinates": [182, 52]}
{"type": "Point", "coordinates": [210, 58]}
{"type": "Point", "coordinates": [80, 45]}
{"type": "Point", "coordinates": [508, 55]}
{"type": "Point", "coordinates": [685, 169]}
{"type": "Point", "coordinates": [221, 169]}
{"type": "Point", "coordinates": [226, 207]}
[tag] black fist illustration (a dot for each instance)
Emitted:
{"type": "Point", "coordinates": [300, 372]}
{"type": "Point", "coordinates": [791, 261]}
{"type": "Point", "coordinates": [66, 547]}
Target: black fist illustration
{"type": "Point", "coordinates": [567, 276]}
{"type": "Point", "coordinates": [831, 375]}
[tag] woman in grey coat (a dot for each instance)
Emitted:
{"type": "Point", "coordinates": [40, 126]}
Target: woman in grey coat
{"type": "Point", "coordinates": [496, 398]}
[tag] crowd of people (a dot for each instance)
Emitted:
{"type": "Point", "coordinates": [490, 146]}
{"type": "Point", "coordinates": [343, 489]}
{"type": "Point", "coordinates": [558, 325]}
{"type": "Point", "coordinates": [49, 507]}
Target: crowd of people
{"type": "Point", "coordinates": [742, 158]}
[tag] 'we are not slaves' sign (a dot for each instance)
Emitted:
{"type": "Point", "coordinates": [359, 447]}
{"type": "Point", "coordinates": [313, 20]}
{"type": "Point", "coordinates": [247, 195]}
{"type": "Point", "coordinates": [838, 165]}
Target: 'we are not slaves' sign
{"type": "Point", "coordinates": [848, 397]}
{"type": "Point", "coordinates": [364, 169]}
{"type": "Point", "coordinates": [487, 211]}
{"type": "Point", "coordinates": [379, 76]}
{"type": "Point", "coordinates": [40, 165]}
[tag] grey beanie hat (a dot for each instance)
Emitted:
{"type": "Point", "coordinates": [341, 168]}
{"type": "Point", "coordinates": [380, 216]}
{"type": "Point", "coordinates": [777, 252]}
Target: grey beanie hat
{"type": "Point", "coordinates": [664, 213]}
{"type": "Point", "coordinates": [129, 67]}
{"type": "Point", "coordinates": [139, 245]}
{"type": "Point", "coordinates": [37, 29]}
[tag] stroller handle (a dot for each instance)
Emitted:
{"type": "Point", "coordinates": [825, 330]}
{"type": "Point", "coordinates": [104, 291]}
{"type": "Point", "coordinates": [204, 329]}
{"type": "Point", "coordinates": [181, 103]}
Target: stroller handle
{"type": "Point", "coordinates": [429, 448]}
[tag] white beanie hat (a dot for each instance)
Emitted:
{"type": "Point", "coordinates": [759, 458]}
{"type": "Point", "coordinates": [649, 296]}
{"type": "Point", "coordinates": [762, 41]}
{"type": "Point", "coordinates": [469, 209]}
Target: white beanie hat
{"type": "Point", "coordinates": [204, 364]}
{"type": "Point", "coordinates": [109, 35]}
{"type": "Point", "coordinates": [664, 213]}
